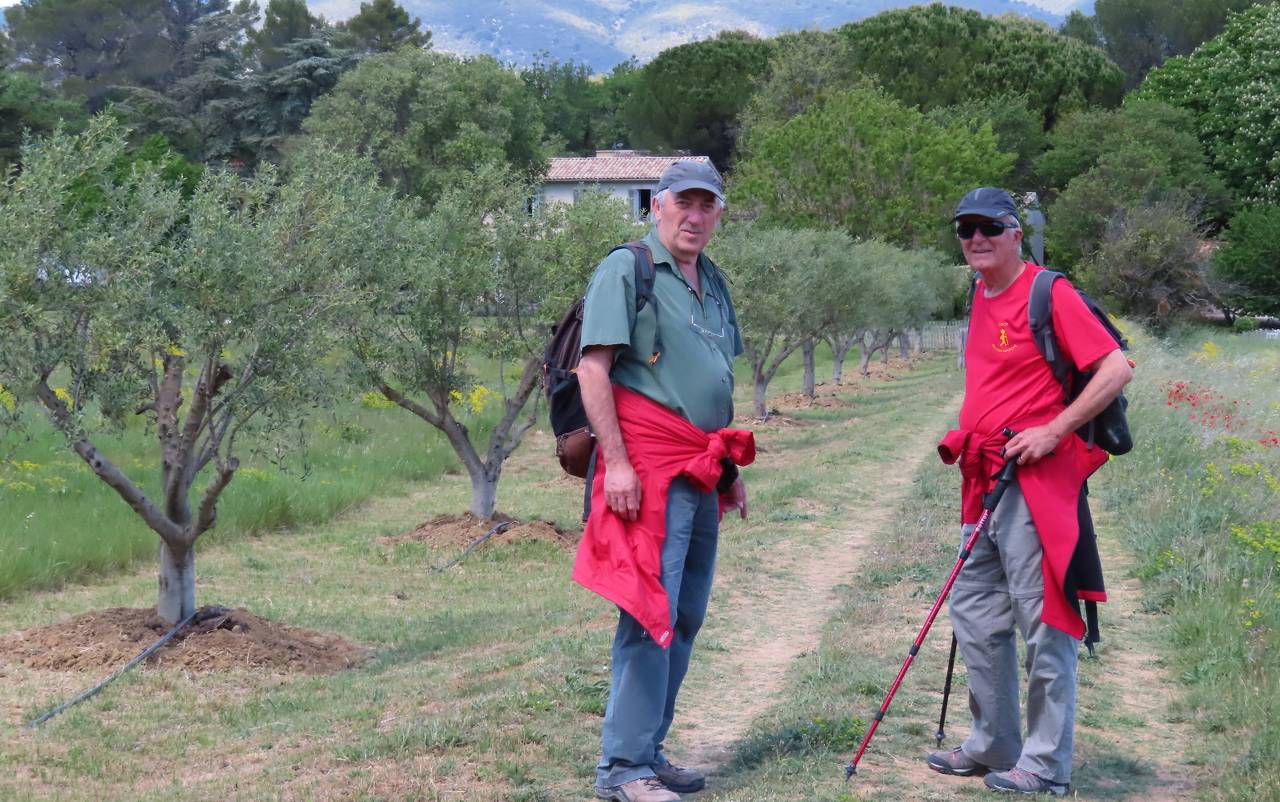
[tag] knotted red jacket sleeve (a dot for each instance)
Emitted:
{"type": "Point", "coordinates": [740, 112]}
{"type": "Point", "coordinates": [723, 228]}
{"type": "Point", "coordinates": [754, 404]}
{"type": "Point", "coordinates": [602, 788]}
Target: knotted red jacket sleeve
{"type": "Point", "coordinates": [622, 560]}
{"type": "Point", "coordinates": [1052, 488]}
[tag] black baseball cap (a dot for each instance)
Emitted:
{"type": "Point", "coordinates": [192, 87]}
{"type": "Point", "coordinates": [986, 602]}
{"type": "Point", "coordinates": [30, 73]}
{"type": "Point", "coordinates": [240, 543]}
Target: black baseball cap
{"type": "Point", "coordinates": [986, 202]}
{"type": "Point", "coordinates": [684, 175]}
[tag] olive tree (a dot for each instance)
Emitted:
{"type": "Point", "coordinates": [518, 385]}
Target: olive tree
{"type": "Point", "coordinates": [903, 290]}
{"type": "Point", "coordinates": [203, 312]}
{"type": "Point", "coordinates": [764, 266]}
{"type": "Point", "coordinates": [463, 316]}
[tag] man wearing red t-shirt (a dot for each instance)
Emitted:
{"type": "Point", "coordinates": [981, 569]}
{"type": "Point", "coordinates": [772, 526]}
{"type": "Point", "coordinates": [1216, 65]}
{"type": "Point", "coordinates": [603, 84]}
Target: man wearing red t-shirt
{"type": "Point", "coordinates": [1017, 577]}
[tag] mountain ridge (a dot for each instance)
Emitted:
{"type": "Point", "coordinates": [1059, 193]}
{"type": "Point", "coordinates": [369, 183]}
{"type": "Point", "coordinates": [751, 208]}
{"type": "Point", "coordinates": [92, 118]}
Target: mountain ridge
{"type": "Point", "coordinates": [603, 33]}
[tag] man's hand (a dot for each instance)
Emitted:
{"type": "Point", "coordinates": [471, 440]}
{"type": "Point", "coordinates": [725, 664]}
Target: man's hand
{"type": "Point", "coordinates": [738, 498]}
{"type": "Point", "coordinates": [622, 490]}
{"type": "Point", "coordinates": [1111, 373]}
{"type": "Point", "coordinates": [1032, 445]}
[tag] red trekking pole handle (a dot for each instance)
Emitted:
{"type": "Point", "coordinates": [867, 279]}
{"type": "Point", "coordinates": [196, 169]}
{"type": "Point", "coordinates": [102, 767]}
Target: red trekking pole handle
{"type": "Point", "coordinates": [1003, 479]}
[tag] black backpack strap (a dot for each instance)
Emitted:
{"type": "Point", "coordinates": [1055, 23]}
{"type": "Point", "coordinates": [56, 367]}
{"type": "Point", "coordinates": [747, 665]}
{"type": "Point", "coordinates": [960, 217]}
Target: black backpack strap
{"type": "Point", "coordinates": [645, 277]}
{"type": "Point", "coordinates": [1040, 318]}
{"type": "Point", "coordinates": [1091, 633]}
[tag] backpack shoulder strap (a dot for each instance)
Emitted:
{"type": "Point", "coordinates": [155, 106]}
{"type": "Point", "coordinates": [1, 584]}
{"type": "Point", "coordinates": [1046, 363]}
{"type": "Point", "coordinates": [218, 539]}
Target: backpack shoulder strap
{"type": "Point", "coordinates": [645, 271]}
{"type": "Point", "coordinates": [1040, 319]}
{"type": "Point", "coordinates": [645, 277]}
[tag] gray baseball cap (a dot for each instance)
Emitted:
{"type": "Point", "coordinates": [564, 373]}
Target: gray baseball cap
{"type": "Point", "coordinates": [684, 175]}
{"type": "Point", "coordinates": [986, 202]}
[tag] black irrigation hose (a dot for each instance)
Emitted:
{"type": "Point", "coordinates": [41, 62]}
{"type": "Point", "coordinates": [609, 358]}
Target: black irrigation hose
{"type": "Point", "coordinates": [147, 652]}
{"type": "Point", "coordinates": [497, 530]}
{"type": "Point", "coordinates": [96, 688]}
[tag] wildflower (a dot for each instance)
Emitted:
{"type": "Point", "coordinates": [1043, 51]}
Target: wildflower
{"type": "Point", "coordinates": [376, 400]}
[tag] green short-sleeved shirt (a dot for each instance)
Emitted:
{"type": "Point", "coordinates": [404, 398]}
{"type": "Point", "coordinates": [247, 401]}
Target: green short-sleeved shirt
{"type": "Point", "coordinates": [693, 374]}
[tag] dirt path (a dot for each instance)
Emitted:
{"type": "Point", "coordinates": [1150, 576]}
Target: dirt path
{"type": "Point", "coordinates": [1131, 742]}
{"type": "Point", "coordinates": [774, 622]}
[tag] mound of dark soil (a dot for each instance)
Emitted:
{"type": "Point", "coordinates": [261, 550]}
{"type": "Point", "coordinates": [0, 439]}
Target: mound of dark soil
{"type": "Point", "coordinates": [460, 531]}
{"type": "Point", "coordinates": [802, 401]}
{"type": "Point", "coordinates": [217, 639]}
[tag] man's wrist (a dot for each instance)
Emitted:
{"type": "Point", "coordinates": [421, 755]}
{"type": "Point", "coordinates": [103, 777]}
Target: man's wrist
{"type": "Point", "coordinates": [1058, 429]}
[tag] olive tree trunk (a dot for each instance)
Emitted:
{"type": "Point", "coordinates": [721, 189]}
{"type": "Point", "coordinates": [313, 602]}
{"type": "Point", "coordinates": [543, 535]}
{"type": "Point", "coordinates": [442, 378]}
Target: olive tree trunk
{"type": "Point", "coordinates": [484, 471]}
{"type": "Point", "coordinates": [841, 345]}
{"type": "Point", "coordinates": [187, 445]}
{"type": "Point", "coordinates": [808, 348]}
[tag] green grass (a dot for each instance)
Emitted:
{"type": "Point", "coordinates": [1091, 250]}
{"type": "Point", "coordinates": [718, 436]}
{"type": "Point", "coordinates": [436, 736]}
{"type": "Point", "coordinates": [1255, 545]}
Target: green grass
{"type": "Point", "coordinates": [1200, 507]}
{"type": "Point", "coordinates": [487, 681]}
{"type": "Point", "coordinates": [59, 522]}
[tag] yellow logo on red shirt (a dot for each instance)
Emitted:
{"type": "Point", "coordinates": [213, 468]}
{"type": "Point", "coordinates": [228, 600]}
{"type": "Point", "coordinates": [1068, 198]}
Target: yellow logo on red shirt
{"type": "Point", "coordinates": [1002, 343]}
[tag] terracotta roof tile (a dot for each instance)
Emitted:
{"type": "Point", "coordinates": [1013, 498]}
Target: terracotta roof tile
{"type": "Point", "coordinates": [612, 168]}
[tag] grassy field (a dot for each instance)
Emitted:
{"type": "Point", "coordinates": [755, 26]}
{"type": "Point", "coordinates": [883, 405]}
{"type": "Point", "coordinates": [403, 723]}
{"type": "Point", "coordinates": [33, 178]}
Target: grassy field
{"type": "Point", "coordinates": [1199, 506]}
{"type": "Point", "coordinates": [60, 522]}
{"type": "Point", "coordinates": [488, 680]}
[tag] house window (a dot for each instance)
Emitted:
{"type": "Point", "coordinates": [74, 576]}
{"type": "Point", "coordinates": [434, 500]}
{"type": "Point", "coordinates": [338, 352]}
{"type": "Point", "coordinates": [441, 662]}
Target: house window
{"type": "Point", "coordinates": [643, 198]}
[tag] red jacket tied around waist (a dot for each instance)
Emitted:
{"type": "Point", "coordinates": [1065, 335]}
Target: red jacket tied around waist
{"type": "Point", "coordinates": [622, 560]}
{"type": "Point", "coordinates": [1051, 487]}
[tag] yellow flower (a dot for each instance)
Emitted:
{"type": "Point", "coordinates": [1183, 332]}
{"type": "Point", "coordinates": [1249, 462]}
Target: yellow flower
{"type": "Point", "coordinates": [64, 396]}
{"type": "Point", "coordinates": [173, 350]}
{"type": "Point", "coordinates": [1209, 351]}
{"type": "Point", "coordinates": [476, 399]}
{"type": "Point", "coordinates": [7, 400]}
{"type": "Point", "coordinates": [376, 400]}
{"type": "Point", "coordinates": [479, 398]}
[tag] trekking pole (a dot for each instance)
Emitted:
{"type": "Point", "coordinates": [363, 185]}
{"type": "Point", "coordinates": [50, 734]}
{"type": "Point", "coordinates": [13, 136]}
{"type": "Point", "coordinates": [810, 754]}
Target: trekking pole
{"type": "Point", "coordinates": [989, 502]}
{"type": "Point", "coordinates": [941, 734]}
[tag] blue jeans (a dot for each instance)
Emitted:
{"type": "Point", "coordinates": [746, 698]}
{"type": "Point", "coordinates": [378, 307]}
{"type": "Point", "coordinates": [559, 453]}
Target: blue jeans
{"type": "Point", "coordinates": [646, 677]}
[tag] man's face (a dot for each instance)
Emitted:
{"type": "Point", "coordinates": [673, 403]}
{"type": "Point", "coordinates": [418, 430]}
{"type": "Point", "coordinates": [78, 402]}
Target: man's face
{"type": "Point", "coordinates": [686, 221]}
{"type": "Point", "coordinates": [986, 252]}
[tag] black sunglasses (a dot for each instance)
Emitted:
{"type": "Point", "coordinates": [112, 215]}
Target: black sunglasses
{"type": "Point", "coordinates": [989, 228]}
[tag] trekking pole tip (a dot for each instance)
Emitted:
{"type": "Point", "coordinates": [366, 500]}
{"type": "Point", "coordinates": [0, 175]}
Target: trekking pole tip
{"type": "Point", "coordinates": [849, 771]}
{"type": "Point", "coordinates": [939, 736]}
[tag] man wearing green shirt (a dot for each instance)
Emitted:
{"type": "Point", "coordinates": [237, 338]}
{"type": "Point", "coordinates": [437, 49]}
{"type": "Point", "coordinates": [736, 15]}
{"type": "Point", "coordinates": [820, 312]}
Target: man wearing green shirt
{"type": "Point", "coordinates": [691, 316]}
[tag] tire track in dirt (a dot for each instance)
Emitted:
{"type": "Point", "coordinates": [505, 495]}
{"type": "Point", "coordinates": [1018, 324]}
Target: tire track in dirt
{"type": "Point", "coordinates": [779, 622]}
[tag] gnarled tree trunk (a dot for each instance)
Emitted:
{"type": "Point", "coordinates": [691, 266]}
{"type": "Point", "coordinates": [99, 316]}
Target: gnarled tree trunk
{"type": "Point", "coordinates": [187, 446]}
{"type": "Point", "coordinates": [841, 345]}
{"type": "Point", "coordinates": [484, 472]}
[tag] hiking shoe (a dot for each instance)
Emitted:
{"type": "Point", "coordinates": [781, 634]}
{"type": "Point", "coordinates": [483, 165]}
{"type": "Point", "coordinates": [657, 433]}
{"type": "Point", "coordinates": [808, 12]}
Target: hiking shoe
{"type": "Point", "coordinates": [679, 779]}
{"type": "Point", "coordinates": [954, 761]}
{"type": "Point", "coordinates": [1020, 781]}
{"type": "Point", "coordinates": [645, 789]}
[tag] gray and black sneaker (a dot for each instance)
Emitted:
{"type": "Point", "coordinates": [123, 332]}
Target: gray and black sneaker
{"type": "Point", "coordinates": [1021, 781]}
{"type": "Point", "coordinates": [679, 779]}
{"type": "Point", "coordinates": [954, 761]}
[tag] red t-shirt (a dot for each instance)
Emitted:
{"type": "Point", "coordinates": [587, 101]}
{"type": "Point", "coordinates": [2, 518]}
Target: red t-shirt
{"type": "Point", "coordinates": [1007, 381]}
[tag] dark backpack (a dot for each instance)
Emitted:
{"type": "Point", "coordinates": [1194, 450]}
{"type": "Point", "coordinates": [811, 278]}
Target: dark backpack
{"type": "Point", "coordinates": [1110, 428]}
{"type": "Point", "coordinates": [574, 441]}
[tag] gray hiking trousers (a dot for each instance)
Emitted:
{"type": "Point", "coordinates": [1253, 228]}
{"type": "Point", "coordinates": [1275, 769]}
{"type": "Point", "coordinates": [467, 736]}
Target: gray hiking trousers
{"type": "Point", "coordinates": [1000, 593]}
